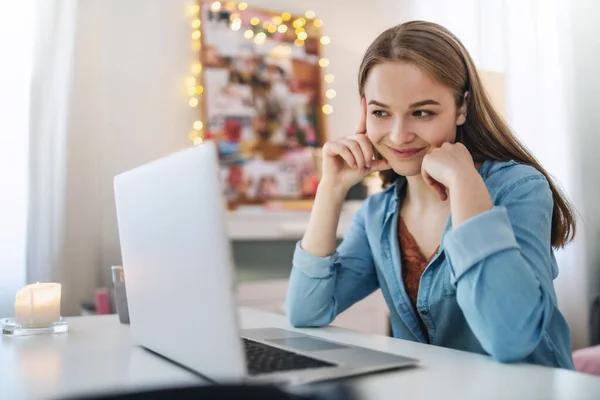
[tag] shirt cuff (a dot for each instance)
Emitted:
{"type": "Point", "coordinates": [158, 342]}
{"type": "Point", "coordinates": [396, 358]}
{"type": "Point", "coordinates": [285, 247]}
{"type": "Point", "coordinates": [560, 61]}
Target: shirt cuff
{"type": "Point", "coordinates": [314, 266]}
{"type": "Point", "coordinates": [478, 238]}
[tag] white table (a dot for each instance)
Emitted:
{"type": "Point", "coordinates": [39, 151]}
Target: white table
{"type": "Point", "coordinates": [97, 356]}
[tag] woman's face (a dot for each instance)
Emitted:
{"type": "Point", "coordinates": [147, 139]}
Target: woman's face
{"type": "Point", "coordinates": [408, 114]}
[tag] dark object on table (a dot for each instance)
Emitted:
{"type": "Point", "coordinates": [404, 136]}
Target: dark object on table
{"type": "Point", "coordinates": [120, 294]}
{"type": "Point", "coordinates": [241, 392]}
{"type": "Point", "coordinates": [87, 308]}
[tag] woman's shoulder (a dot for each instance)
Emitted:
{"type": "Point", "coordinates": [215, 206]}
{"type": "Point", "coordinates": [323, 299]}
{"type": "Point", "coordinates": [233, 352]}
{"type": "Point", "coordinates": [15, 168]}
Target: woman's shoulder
{"type": "Point", "coordinates": [501, 177]}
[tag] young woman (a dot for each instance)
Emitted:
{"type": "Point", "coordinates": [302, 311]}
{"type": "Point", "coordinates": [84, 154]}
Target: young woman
{"type": "Point", "coordinates": [461, 240]}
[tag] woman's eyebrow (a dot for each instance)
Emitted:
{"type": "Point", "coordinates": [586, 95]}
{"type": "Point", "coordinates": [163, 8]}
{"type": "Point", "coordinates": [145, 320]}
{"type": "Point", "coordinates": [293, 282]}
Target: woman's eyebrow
{"type": "Point", "coordinates": [421, 103]}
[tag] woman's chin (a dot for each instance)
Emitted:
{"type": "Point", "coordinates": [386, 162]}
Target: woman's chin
{"type": "Point", "coordinates": [406, 168]}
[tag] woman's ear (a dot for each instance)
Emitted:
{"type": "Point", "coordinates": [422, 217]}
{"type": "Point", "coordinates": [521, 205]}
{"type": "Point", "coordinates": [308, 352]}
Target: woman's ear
{"type": "Point", "coordinates": [461, 118]}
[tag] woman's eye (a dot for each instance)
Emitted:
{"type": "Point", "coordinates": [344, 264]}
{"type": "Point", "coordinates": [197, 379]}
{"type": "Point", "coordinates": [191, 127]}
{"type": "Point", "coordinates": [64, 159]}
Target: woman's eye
{"type": "Point", "coordinates": [380, 113]}
{"type": "Point", "coordinates": [422, 114]}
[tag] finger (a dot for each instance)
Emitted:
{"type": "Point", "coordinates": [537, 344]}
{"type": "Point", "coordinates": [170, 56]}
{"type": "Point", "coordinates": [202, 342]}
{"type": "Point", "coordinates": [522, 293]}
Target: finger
{"type": "Point", "coordinates": [435, 186]}
{"type": "Point", "coordinates": [362, 122]}
{"type": "Point", "coordinates": [379, 165]}
{"type": "Point", "coordinates": [440, 190]}
{"type": "Point", "coordinates": [340, 149]}
{"type": "Point", "coordinates": [366, 147]}
{"type": "Point", "coordinates": [356, 151]}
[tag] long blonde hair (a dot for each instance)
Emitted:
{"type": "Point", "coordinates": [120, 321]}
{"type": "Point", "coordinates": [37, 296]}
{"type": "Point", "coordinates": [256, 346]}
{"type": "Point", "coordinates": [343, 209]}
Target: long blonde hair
{"type": "Point", "coordinates": [485, 133]}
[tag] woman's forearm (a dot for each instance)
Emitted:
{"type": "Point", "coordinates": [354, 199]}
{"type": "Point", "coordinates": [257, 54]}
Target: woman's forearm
{"type": "Point", "coordinates": [320, 236]}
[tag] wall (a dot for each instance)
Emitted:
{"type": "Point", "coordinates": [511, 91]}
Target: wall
{"type": "Point", "coordinates": [130, 103]}
{"type": "Point", "coordinates": [129, 106]}
{"type": "Point", "coordinates": [580, 31]}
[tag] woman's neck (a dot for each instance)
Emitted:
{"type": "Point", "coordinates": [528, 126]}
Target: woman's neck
{"type": "Point", "coordinates": [419, 195]}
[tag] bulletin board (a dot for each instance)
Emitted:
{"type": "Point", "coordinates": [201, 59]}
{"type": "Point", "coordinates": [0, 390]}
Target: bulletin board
{"type": "Point", "coordinates": [263, 100]}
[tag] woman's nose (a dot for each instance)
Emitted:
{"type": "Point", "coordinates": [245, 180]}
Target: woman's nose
{"type": "Point", "coordinates": [401, 132]}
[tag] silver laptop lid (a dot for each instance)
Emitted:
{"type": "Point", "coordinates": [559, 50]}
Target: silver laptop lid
{"type": "Point", "coordinates": [178, 264]}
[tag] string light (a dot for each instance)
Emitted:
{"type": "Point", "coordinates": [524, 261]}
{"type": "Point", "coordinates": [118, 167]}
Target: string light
{"type": "Point", "coordinates": [278, 23]}
{"type": "Point", "coordinates": [193, 9]}
{"type": "Point", "coordinates": [196, 69]}
{"type": "Point", "coordinates": [323, 62]}
{"type": "Point", "coordinates": [194, 88]}
{"type": "Point", "coordinates": [260, 38]}
{"type": "Point", "coordinates": [190, 81]}
{"type": "Point", "coordinates": [298, 23]}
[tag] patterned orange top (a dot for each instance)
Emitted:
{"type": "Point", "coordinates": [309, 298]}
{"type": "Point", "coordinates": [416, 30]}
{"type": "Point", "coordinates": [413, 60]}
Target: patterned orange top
{"type": "Point", "coordinates": [413, 265]}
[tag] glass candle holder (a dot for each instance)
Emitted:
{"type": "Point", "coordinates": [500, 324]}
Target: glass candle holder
{"type": "Point", "coordinates": [37, 311]}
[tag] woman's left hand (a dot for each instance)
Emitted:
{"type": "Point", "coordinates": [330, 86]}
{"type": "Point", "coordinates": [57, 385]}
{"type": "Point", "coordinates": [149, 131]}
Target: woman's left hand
{"type": "Point", "coordinates": [445, 165]}
{"type": "Point", "coordinates": [449, 170]}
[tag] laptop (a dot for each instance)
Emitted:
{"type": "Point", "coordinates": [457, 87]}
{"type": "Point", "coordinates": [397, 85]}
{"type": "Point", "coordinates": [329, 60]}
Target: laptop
{"type": "Point", "coordinates": [180, 277]}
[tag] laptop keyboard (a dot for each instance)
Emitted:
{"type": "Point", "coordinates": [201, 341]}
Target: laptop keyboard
{"type": "Point", "coordinates": [262, 359]}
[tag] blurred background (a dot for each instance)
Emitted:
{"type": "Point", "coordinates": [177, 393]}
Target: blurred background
{"type": "Point", "coordinates": [91, 88]}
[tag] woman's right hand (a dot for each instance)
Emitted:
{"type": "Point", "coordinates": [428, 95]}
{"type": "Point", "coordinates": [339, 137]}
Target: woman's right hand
{"type": "Point", "coordinates": [349, 160]}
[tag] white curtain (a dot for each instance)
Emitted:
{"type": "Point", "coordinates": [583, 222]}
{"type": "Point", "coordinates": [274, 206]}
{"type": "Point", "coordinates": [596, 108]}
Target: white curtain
{"type": "Point", "coordinates": [528, 42]}
{"type": "Point", "coordinates": [63, 233]}
{"type": "Point", "coordinates": [16, 41]}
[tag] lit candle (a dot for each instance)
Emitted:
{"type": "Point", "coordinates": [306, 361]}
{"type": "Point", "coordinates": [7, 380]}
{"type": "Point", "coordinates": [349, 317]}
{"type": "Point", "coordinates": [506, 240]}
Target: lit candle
{"type": "Point", "coordinates": [38, 304]}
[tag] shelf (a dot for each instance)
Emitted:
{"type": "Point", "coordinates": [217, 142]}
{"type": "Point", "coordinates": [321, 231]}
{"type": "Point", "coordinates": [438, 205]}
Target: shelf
{"type": "Point", "coordinates": [258, 223]}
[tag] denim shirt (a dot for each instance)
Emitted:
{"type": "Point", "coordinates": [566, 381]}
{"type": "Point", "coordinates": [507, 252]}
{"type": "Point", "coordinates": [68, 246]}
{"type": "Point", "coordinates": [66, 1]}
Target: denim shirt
{"type": "Point", "coordinates": [488, 290]}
